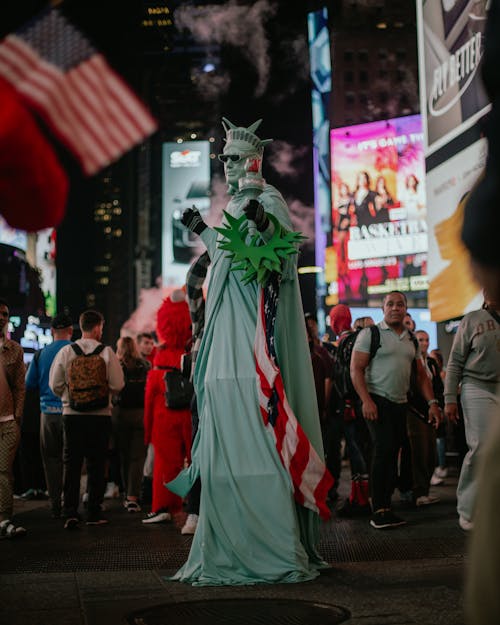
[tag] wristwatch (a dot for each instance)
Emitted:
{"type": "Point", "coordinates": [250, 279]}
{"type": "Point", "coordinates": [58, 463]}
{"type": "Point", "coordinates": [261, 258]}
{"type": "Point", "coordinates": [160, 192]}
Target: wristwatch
{"type": "Point", "coordinates": [432, 401]}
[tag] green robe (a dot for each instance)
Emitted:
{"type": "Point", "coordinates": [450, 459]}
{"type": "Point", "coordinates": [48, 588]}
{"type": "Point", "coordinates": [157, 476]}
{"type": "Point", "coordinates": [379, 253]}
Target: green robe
{"type": "Point", "coordinates": [250, 529]}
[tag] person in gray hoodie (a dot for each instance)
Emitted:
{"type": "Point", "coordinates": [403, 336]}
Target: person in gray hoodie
{"type": "Point", "coordinates": [474, 363]}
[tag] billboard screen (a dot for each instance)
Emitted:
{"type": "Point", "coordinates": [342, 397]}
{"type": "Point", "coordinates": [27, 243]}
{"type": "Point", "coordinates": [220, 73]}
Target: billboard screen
{"type": "Point", "coordinates": [450, 52]}
{"type": "Point", "coordinates": [452, 290]}
{"type": "Point", "coordinates": [378, 211]}
{"type": "Point", "coordinates": [186, 181]}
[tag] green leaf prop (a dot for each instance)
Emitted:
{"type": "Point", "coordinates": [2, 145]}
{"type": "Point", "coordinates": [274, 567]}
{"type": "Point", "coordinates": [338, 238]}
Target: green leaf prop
{"type": "Point", "coordinates": [258, 259]}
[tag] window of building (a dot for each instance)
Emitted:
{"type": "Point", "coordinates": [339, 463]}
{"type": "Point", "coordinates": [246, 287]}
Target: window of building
{"type": "Point", "coordinates": [348, 56]}
{"type": "Point", "coordinates": [363, 76]}
{"type": "Point", "coordinates": [350, 98]}
{"type": "Point", "coordinates": [348, 76]}
{"type": "Point", "coordinates": [363, 55]}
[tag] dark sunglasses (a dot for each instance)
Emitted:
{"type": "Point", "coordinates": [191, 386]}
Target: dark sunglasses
{"type": "Point", "coordinates": [224, 158]}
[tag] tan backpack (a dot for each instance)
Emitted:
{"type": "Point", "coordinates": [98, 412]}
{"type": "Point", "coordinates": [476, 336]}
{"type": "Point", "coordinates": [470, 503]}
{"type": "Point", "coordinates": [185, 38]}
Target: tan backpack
{"type": "Point", "coordinates": [88, 380]}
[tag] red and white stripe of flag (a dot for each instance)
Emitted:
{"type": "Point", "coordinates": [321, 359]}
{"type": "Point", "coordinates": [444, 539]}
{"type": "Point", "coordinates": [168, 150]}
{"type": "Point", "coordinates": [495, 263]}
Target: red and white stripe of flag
{"type": "Point", "coordinates": [90, 109]}
{"type": "Point", "coordinates": [310, 477]}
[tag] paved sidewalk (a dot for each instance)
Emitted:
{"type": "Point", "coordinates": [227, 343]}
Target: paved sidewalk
{"type": "Point", "coordinates": [100, 575]}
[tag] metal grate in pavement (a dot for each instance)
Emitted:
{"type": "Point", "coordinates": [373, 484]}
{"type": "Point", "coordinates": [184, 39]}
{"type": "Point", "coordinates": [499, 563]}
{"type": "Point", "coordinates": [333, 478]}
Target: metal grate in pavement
{"type": "Point", "coordinates": [127, 545]}
{"type": "Point", "coordinates": [241, 612]}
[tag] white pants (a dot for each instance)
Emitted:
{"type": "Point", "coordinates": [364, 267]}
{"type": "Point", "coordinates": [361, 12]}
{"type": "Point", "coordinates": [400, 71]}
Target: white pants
{"type": "Point", "coordinates": [480, 408]}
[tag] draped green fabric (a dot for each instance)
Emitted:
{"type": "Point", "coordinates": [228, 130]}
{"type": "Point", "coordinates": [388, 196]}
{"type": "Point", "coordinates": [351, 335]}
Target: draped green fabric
{"type": "Point", "coordinates": [250, 529]}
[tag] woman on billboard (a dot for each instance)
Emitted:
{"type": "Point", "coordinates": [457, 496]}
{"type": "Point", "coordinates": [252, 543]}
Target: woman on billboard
{"type": "Point", "coordinates": [364, 201]}
{"type": "Point", "coordinates": [383, 200]}
{"type": "Point", "coordinates": [412, 199]}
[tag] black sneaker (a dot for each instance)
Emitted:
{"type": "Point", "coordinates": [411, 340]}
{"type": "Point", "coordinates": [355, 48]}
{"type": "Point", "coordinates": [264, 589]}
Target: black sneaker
{"type": "Point", "coordinates": [384, 519]}
{"type": "Point", "coordinates": [97, 519]}
{"type": "Point", "coordinates": [71, 523]}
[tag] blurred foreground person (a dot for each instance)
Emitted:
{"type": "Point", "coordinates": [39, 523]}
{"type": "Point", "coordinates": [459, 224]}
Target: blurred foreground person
{"type": "Point", "coordinates": [480, 235]}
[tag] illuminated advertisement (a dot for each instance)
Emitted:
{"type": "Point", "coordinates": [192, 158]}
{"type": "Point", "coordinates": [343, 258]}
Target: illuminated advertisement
{"type": "Point", "coordinates": [186, 182]}
{"type": "Point", "coordinates": [378, 211]}
{"type": "Point", "coordinates": [46, 263]}
{"type": "Point", "coordinates": [321, 80]}
{"type": "Point", "coordinates": [452, 290]}
{"type": "Point", "coordinates": [450, 51]}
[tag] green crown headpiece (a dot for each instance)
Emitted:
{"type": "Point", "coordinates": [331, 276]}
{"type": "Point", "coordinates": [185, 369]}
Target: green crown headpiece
{"type": "Point", "coordinates": [244, 139]}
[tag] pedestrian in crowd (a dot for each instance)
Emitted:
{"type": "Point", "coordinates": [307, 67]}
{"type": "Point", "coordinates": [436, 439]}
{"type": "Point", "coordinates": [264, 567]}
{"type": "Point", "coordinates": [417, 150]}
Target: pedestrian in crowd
{"type": "Point", "coordinates": [382, 384]}
{"type": "Point", "coordinates": [323, 348]}
{"type": "Point", "coordinates": [250, 529]}
{"type": "Point", "coordinates": [421, 434]}
{"type": "Point", "coordinates": [51, 422]}
{"type": "Point", "coordinates": [147, 350]}
{"type": "Point", "coordinates": [409, 322]}
{"type": "Point", "coordinates": [32, 479]}
{"type": "Point", "coordinates": [85, 375]}
{"type": "Point", "coordinates": [196, 302]}
{"type": "Point", "coordinates": [474, 363]}
{"type": "Point", "coordinates": [12, 391]}
{"type": "Point", "coordinates": [348, 421]}
{"type": "Point", "coordinates": [405, 472]}
{"type": "Point", "coordinates": [168, 429]}
{"type": "Point", "coordinates": [146, 346]}
{"type": "Point", "coordinates": [441, 470]}
{"type": "Point", "coordinates": [128, 420]}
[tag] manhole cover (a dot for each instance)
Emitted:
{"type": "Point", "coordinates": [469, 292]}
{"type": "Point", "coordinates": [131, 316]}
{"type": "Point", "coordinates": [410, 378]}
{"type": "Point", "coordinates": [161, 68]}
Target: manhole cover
{"type": "Point", "coordinates": [241, 612]}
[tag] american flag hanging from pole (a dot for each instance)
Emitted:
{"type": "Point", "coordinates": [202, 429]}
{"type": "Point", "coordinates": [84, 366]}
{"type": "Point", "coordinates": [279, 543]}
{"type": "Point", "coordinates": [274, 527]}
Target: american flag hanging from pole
{"type": "Point", "coordinates": [310, 477]}
{"type": "Point", "coordinates": [63, 78]}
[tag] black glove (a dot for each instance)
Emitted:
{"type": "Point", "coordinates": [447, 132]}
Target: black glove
{"type": "Point", "coordinates": [192, 219]}
{"type": "Point", "coordinates": [254, 211]}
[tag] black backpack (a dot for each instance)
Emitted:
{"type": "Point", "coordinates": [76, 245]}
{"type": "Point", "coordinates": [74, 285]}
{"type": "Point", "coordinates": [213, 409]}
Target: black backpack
{"type": "Point", "coordinates": [132, 394]}
{"type": "Point", "coordinates": [342, 366]}
{"type": "Point", "coordinates": [178, 389]}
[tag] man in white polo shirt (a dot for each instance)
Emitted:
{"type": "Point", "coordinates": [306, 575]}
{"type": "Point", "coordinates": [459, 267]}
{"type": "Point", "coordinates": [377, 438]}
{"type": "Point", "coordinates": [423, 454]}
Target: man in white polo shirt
{"type": "Point", "coordinates": [382, 384]}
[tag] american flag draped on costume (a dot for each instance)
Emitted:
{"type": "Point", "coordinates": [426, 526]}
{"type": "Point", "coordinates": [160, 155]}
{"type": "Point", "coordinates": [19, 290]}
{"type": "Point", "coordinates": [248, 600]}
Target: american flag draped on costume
{"type": "Point", "coordinates": [50, 69]}
{"type": "Point", "coordinates": [309, 475]}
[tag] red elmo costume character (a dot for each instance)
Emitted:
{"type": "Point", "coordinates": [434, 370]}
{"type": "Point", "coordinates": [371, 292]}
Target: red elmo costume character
{"type": "Point", "coordinates": [168, 430]}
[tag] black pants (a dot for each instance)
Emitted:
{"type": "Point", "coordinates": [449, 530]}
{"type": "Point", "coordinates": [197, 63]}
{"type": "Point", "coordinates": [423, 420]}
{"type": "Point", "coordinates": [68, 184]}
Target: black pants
{"type": "Point", "coordinates": [386, 434]}
{"type": "Point", "coordinates": [85, 437]}
{"type": "Point", "coordinates": [193, 498]}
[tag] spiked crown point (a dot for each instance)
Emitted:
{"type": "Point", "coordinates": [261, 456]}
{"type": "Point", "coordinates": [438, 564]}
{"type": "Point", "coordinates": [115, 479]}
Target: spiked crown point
{"type": "Point", "coordinates": [244, 139]}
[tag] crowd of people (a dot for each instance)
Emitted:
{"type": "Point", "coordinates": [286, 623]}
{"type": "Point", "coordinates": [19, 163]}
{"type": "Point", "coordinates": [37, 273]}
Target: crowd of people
{"type": "Point", "coordinates": [269, 404]}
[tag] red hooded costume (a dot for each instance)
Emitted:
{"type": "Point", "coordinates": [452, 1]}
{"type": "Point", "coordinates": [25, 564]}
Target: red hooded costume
{"type": "Point", "coordinates": [168, 430]}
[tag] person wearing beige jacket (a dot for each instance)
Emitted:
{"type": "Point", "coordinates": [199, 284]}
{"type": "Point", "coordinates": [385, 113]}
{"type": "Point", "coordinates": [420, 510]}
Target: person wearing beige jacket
{"type": "Point", "coordinates": [11, 408]}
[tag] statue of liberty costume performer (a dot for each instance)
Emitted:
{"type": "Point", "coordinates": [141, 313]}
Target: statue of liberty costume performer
{"type": "Point", "coordinates": [258, 449]}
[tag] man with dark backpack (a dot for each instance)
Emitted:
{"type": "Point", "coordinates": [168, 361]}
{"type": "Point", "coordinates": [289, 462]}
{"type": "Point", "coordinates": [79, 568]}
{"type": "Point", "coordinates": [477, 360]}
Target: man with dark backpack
{"type": "Point", "coordinates": [85, 374]}
{"type": "Point", "coordinates": [382, 383]}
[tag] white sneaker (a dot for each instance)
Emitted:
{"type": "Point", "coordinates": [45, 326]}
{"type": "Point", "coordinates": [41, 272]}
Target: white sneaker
{"type": "Point", "coordinates": [426, 500]}
{"type": "Point", "coordinates": [190, 525]}
{"type": "Point", "coordinates": [441, 472]}
{"type": "Point", "coordinates": [467, 526]}
{"type": "Point", "coordinates": [158, 517]}
{"type": "Point", "coordinates": [435, 480]}
{"type": "Point", "coordinates": [112, 491]}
